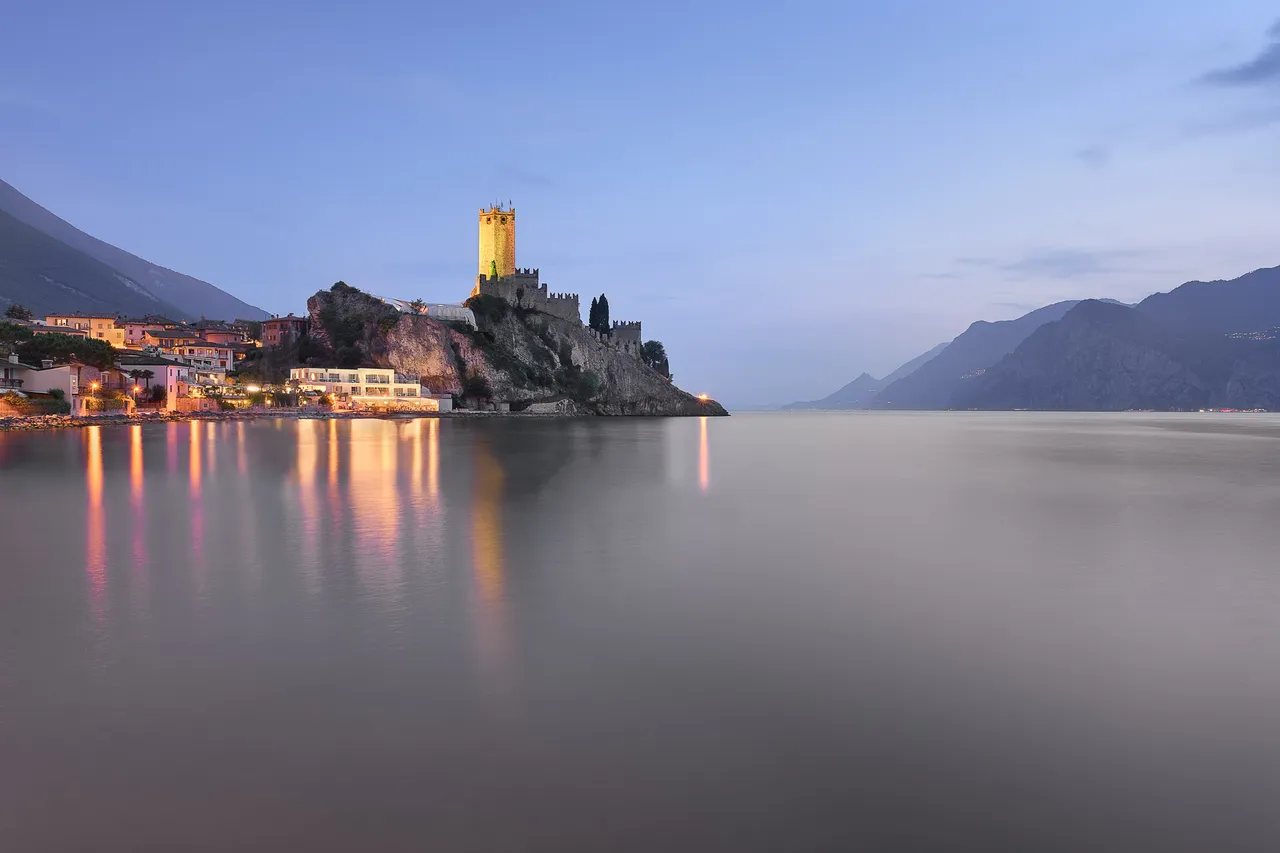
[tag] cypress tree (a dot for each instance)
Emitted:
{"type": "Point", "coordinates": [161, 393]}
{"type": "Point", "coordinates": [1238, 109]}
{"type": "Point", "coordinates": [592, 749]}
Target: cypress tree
{"type": "Point", "coordinates": [593, 315]}
{"type": "Point", "coordinates": [604, 314]}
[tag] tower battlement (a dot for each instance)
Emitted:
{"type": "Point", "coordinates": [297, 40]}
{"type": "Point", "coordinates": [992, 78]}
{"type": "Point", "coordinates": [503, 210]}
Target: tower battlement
{"type": "Point", "coordinates": [497, 229]}
{"type": "Point", "coordinates": [627, 331]}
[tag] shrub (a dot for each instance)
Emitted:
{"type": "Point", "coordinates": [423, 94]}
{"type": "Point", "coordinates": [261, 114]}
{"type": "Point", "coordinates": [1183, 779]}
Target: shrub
{"type": "Point", "coordinates": [476, 384]}
{"type": "Point", "coordinates": [488, 309]}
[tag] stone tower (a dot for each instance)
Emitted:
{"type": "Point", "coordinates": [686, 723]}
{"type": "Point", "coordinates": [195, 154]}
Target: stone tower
{"type": "Point", "coordinates": [498, 241]}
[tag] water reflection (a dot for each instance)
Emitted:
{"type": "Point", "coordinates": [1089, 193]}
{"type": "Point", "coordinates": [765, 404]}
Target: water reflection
{"type": "Point", "coordinates": [95, 525]}
{"type": "Point", "coordinates": [374, 497]}
{"type": "Point", "coordinates": [138, 506]}
{"type": "Point", "coordinates": [135, 467]}
{"type": "Point", "coordinates": [704, 473]}
{"type": "Point", "coordinates": [486, 535]}
{"type": "Point", "coordinates": [308, 501]}
{"type": "Point", "coordinates": [195, 474]}
{"type": "Point", "coordinates": [193, 458]}
{"type": "Point", "coordinates": [433, 457]}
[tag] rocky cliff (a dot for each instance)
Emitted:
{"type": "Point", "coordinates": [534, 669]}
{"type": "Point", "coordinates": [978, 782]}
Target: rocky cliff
{"type": "Point", "coordinates": [528, 359]}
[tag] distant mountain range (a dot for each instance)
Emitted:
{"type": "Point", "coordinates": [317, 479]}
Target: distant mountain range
{"type": "Point", "coordinates": [1202, 345]}
{"type": "Point", "coordinates": [49, 265]}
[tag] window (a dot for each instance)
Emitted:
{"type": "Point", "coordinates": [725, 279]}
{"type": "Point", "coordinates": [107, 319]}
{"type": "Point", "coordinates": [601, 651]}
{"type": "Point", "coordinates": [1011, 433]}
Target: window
{"type": "Point", "coordinates": [99, 334]}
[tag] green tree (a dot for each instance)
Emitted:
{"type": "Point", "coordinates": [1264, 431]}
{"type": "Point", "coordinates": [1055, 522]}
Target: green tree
{"type": "Point", "coordinates": [19, 312]}
{"type": "Point", "coordinates": [65, 348]}
{"type": "Point", "coordinates": [493, 269]}
{"type": "Point", "coordinates": [654, 354]}
{"type": "Point", "coordinates": [418, 305]}
{"type": "Point", "coordinates": [604, 315]}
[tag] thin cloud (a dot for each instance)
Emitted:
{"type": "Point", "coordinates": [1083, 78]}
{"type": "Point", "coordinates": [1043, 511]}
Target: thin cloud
{"type": "Point", "coordinates": [1060, 263]}
{"type": "Point", "coordinates": [1096, 156]}
{"type": "Point", "coordinates": [1262, 70]}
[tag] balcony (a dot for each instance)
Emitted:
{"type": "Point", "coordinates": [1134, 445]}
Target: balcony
{"type": "Point", "coordinates": [11, 384]}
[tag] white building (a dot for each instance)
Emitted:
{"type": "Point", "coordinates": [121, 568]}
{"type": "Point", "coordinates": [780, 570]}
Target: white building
{"type": "Point", "coordinates": [18, 377]}
{"type": "Point", "coordinates": [370, 386]}
{"type": "Point", "coordinates": [435, 310]}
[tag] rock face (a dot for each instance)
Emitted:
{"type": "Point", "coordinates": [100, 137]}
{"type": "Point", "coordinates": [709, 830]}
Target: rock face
{"type": "Point", "coordinates": [534, 361]}
{"type": "Point", "coordinates": [1107, 357]}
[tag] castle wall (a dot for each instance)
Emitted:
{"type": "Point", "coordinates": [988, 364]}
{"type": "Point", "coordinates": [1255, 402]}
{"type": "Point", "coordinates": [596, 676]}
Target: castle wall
{"type": "Point", "coordinates": [524, 289]}
{"type": "Point", "coordinates": [627, 332]}
{"type": "Point", "coordinates": [630, 347]}
{"type": "Point", "coordinates": [497, 241]}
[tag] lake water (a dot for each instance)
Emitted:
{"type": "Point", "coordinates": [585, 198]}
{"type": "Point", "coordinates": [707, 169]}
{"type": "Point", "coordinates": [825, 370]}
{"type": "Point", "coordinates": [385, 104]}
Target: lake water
{"type": "Point", "coordinates": [1018, 632]}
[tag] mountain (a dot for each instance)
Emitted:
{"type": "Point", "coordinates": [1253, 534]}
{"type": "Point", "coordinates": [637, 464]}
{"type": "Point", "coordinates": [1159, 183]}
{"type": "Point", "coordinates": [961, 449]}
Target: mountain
{"type": "Point", "coordinates": [915, 364]}
{"type": "Point", "coordinates": [193, 297]}
{"type": "Point", "coordinates": [1108, 357]}
{"type": "Point", "coordinates": [933, 384]}
{"type": "Point", "coordinates": [1245, 304]}
{"type": "Point", "coordinates": [46, 276]}
{"type": "Point", "coordinates": [851, 396]}
{"type": "Point", "coordinates": [859, 393]}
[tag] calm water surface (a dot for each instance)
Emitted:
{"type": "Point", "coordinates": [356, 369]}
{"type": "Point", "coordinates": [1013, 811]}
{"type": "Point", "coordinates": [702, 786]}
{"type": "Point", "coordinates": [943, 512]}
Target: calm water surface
{"type": "Point", "coordinates": [810, 632]}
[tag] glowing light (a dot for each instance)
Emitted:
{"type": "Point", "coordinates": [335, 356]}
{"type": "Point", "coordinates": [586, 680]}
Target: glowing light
{"type": "Point", "coordinates": [703, 397]}
{"type": "Point", "coordinates": [93, 386]}
{"type": "Point", "coordinates": [252, 389]}
{"type": "Point", "coordinates": [136, 389]}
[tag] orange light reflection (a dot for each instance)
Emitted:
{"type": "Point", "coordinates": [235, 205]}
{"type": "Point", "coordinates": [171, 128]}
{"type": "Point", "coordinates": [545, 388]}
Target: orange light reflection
{"type": "Point", "coordinates": [490, 577]}
{"type": "Point", "coordinates": [704, 473]}
{"type": "Point", "coordinates": [95, 527]}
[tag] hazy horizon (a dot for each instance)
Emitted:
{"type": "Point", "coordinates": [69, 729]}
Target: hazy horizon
{"type": "Point", "coordinates": [785, 198]}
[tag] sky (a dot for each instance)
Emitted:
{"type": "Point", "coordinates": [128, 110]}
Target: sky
{"type": "Point", "coordinates": [785, 194]}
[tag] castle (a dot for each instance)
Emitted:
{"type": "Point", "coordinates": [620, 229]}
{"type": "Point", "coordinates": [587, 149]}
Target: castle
{"type": "Point", "coordinates": [498, 276]}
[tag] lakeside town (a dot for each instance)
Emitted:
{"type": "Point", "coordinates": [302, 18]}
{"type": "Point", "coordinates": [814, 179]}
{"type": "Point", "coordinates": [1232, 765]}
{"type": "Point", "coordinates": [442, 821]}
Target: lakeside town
{"type": "Point", "coordinates": [65, 368]}
{"type": "Point", "coordinates": [93, 365]}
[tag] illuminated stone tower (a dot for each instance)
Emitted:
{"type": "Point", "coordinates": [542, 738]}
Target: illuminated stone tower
{"type": "Point", "coordinates": [497, 241]}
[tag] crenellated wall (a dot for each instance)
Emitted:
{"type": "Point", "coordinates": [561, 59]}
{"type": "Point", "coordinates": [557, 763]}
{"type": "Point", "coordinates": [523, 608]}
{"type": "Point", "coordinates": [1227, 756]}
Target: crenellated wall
{"type": "Point", "coordinates": [628, 332]}
{"type": "Point", "coordinates": [626, 345]}
{"type": "Point", "coordinates": [524, 289]}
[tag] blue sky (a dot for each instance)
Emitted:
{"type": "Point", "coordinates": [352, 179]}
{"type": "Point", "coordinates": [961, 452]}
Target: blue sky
{"type": "Point", "coordinates": [785, 194]}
